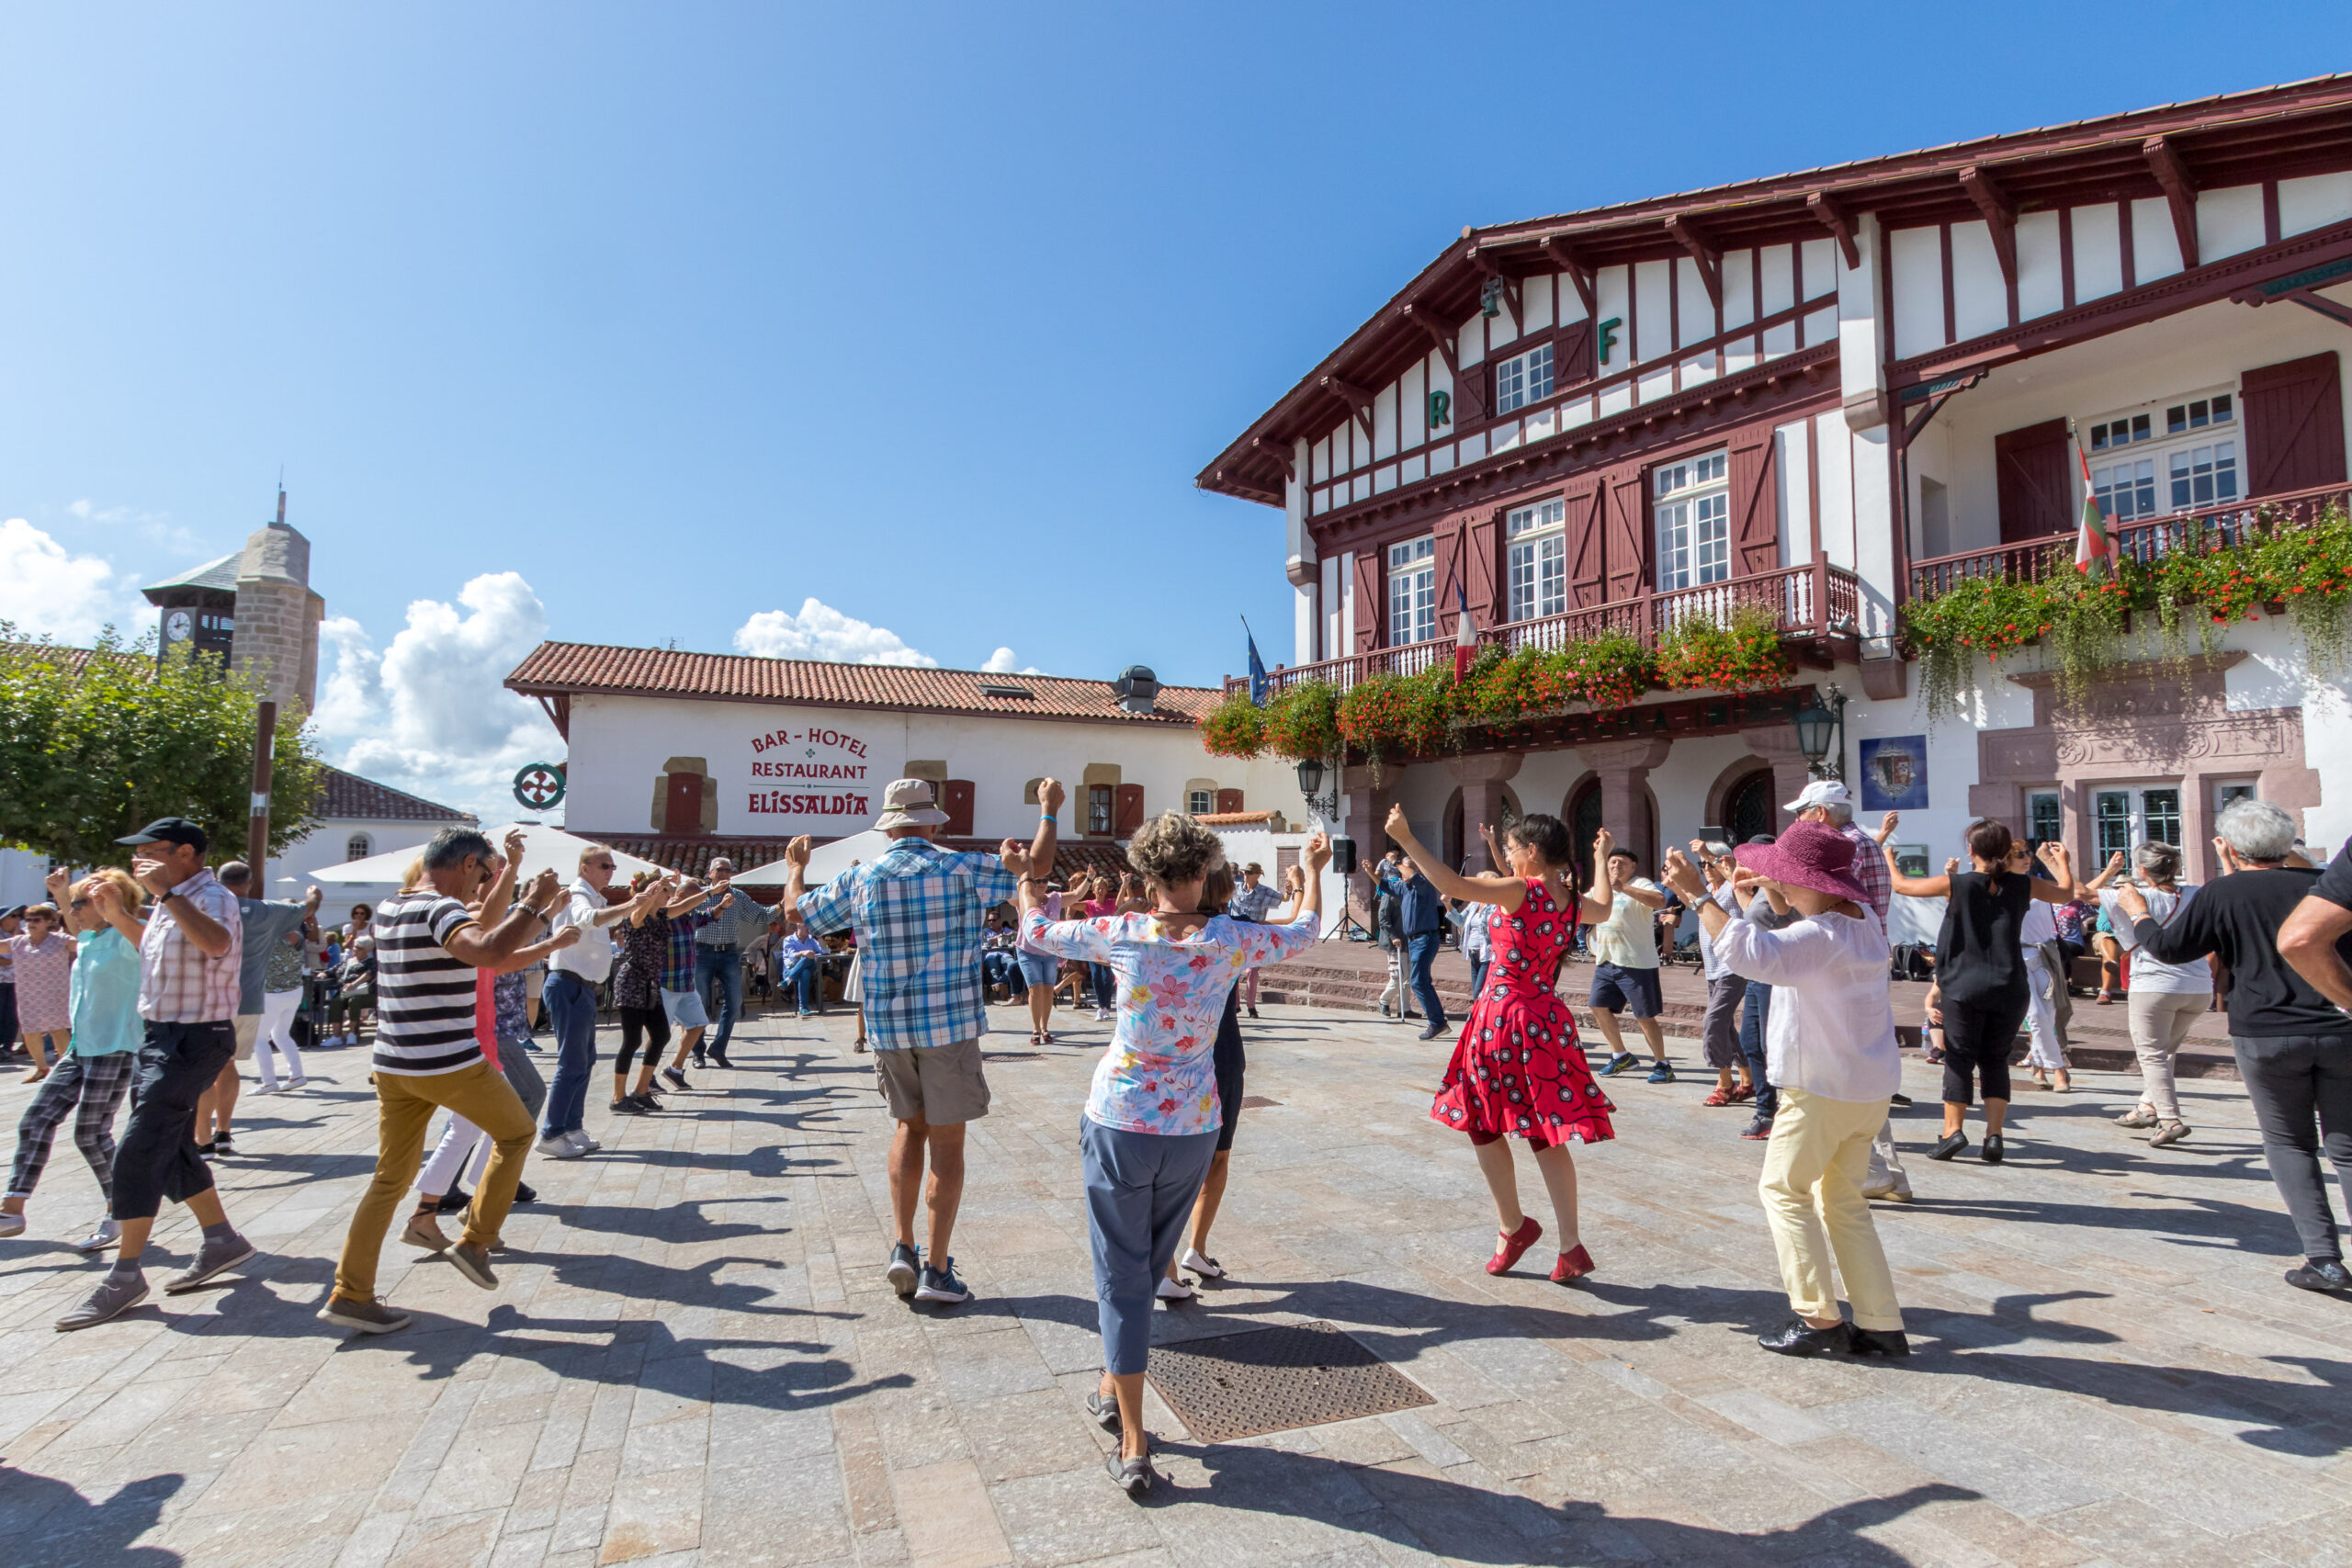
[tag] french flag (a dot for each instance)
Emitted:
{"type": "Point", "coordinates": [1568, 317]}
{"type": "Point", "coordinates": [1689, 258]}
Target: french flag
{"type": "Point", "coordinates": [1465, 634]}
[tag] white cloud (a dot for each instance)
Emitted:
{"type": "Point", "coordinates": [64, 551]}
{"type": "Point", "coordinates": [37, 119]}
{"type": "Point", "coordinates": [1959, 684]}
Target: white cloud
{"type": "Point", "coordinates": [156, 527]}
{"type": "Point", "coordinates": [1002, 662]}
{"type": "Point", "coordinates": [428, 714]}
{"type": "Point", "coordinates": [45, 590]}
{"type": "Point", "coordinates": [820, 631]}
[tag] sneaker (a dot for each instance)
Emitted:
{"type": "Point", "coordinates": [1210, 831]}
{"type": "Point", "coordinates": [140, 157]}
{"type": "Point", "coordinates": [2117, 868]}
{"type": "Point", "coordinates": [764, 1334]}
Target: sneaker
{"type": "Point", "coordinates": [582, 1142]}
{"type": "Point", "coordinates": [1133, 1476]}
{"type": "Point", "coordinates": [1759, 1129]}
{"type": "Point", "coordinates": [646, 1101]}
{"type": "Point", "coordinates": [2319, 1274]}
{"type": "Point", "coordinates": [559, 1146]}
{"type": "Point", "coordinates": [2170, 1132]}
{"type": "Point", "coordinates": [425, 1231]}
{"type": "Point", "coordinates": [222, 1145]}
{"type": "Point", "coordinates": [1201, 1263]}
{"type": "Point", "coordinates": [1950, 1145]}
{"type": "Point", "coordinates": [108, 1234]}
{"type": "Point", "coordinates": [473, 1263]}
{"type": "Point", "coordinates": [12, 1224]}
{"type": "Point", "coordinates": [1433, 1032]}
{"type": "Point", "coordinates": [905, 1268]}
{"type": "Point", "coordinates": [526, 1193]}
{"type": "Point", "coordinates": [117, 1294]}
{"type": "Point", "coordinates": [699, 1064]}
{"type": "Point", "coordinates": [719, 1060]}
{"type": "Point", "coordinates": [215, 1257]}
{"type": "Point", "coordinates": [1661, 1074]}
{"type": "Point", "coordinates": [1174, 1290]}
{"type": "Point", "coordinates": [629, 1105]}
{"type": "Point", "coordinates": [677, 1078]}
{"type": "Point", "coordinates": [371, 1316]}
{"type": "Point", "coordinates": [1617, 1063]}
{"type": "Point", "coordinates": [940, 1284]}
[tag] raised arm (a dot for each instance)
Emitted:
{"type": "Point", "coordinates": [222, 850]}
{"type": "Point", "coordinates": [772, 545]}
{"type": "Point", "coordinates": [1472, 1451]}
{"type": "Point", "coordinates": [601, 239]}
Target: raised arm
{"type": "Point", "coordinates": [2096, 885]}
{"type": "Point", "coordinates": [1486, 889]}
{"type": "Point", "coordinates": [2062, 891]}
{"type": "Point", "coordinates": [1601, 898]}
{"type": "Point", "coordinates": [2308, 941]}
{"type": "Point", "coordinates": [1916, 886]}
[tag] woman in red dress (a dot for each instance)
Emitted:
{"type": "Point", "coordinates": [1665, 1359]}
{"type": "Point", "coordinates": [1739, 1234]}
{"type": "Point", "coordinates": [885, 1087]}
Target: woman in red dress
{"type": "Point", "coordinates": [1518, 1070]}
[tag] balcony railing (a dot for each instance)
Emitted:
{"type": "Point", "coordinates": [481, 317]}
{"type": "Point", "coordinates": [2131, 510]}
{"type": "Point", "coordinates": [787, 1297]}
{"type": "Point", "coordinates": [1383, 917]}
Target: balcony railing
{"type": "Point", "coordinates": [2205, 528]}
{"type": "Point", "coordinates": [1817, 599]}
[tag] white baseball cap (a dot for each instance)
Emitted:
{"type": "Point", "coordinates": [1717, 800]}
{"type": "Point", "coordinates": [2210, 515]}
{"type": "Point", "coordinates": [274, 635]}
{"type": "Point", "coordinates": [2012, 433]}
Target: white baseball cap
{"type": "Point", "coordinates": [1821, 792]}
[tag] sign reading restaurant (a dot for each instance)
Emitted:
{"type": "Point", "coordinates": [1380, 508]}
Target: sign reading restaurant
{"type": "Point", "coordinates": [817, 754]}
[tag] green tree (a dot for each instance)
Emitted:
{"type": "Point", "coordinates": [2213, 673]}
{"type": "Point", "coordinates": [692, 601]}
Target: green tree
{"type": "Point", "coordinates": [96, 742]}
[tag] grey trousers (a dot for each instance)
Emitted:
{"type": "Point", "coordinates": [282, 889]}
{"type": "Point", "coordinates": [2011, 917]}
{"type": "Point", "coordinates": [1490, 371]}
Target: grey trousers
{"type": "Point", "coordinates": [1139, 1192]}
{"type": "Point", "coordinates": [1719, 1028]}
{"type": "Point", "coordinates": [2160, 1021]}
{"type": "Point", "coordinates": [2301, 1089]}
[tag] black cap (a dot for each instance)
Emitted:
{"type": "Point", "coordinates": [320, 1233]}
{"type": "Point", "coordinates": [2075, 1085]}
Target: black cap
{"type": "Point", "coordinates": [170, 830]}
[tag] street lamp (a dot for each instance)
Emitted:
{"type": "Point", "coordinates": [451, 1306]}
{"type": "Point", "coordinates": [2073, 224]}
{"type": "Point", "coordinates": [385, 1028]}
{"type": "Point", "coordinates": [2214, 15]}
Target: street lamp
{"type": "Point", "coordinates": [1821, 732]}
{"type": "Point", "coordinates": [1310, 784]}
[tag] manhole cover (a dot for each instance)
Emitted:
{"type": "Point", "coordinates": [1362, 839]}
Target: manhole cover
{"type": "Point", "coordinates": [1253, 1102]}
{"type": "Point", "coordinates": [1271, 1379]}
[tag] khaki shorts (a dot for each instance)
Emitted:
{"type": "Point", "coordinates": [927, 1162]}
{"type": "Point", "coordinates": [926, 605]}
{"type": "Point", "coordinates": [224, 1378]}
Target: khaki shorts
{"type": "Point", "coordinates": [940, 1085]}
{"type": "Point", "coordinates": [248, 1031]}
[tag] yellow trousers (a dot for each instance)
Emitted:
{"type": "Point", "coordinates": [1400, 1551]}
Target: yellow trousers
{"type": "Point", "coordinates": [404, 1105]}
{"type": "Point", "coordinates": [1814, 1168]}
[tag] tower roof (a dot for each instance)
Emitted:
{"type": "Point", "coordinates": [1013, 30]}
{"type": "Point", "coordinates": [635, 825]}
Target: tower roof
{"type": "Point", "coordinates": [219, 577]}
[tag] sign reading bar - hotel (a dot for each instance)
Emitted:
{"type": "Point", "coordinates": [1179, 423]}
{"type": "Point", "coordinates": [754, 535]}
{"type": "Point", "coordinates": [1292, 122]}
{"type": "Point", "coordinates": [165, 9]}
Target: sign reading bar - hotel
{"type": "Point", "coordinates": [798, 759]}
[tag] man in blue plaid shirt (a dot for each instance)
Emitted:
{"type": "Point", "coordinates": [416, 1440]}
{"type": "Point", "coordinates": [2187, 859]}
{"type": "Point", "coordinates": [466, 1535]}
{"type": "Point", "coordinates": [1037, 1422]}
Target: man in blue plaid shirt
{"type": "Point", "coordinates": [919, 910]}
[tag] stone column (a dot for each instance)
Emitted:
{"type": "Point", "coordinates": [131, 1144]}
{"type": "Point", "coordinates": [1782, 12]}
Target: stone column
{"type": "Point", "coordinates": [1367, 810]}
{"type": "Point", "coordinates": [1482, 801]}
{"type": "Point", "coordinates": [1791, 774]}
{"type": "Point", "coordinates": [1624, 770]}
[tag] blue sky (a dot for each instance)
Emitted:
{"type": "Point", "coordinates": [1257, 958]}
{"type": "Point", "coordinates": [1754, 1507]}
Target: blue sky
{"type": "Point", "coordinates": [688, 315]}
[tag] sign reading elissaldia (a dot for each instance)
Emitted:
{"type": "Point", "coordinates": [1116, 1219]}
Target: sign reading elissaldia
{"type": "Point", "coordinates": [803, 760]}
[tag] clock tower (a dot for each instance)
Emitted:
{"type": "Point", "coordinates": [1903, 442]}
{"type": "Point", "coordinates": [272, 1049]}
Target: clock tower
{"type": "Point", "coordinates": [254, 610]}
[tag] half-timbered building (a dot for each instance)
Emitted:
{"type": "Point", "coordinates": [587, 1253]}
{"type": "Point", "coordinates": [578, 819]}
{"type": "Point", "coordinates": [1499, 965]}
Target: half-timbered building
{"type": "Point", "coordinates": [1829, 395]}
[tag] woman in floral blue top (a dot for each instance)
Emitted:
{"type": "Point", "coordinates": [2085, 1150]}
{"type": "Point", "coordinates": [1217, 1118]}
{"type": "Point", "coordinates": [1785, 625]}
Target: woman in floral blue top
{"type": "Point", "coordinates": [1151, 1122]}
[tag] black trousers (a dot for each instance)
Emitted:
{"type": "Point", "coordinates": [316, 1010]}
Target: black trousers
{"type": "Point", "coordinates": [2301, 1089]}
{"type": "Point", "coordinates": [654, 1024]}
{"type": "Point", "coordinates": [1977, 1043]}
{"type": "Point", "coordinates": [157, 1157]}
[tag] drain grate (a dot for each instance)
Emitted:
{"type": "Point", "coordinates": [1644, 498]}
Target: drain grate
{"type": "Point", "coordinates": [1271, 1379]}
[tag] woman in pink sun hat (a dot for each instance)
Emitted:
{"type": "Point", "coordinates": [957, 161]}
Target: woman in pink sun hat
{"type": "Point", "coordinates": [1831, 1051]}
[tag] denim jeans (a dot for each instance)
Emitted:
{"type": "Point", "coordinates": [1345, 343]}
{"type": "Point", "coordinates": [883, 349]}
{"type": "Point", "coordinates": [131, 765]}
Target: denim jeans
{"type": "Point", "coordinates": [1751, 1045]}
{"type": "Point", "coordinates": [721, 983]}
{"type": "Point", "coordinates": [571, 1007]}
{"type": "Point", "coordinates": [1106, 988]}
{"type": "Point", "coordinates": [800, 973]}
{"type": "Point", "coordinates": [999, 969]}
{"type": "Point", "coordinates": [1423, 946]}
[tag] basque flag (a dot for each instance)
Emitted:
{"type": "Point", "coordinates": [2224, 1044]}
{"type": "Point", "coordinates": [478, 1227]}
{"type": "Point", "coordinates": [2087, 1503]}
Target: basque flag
{"type": "Point", "coordinates": [1257, 669]}
{"type": "Point", "coordinates": [1465, 634]}
{"type": "Point", "coordinates": [2094, 546]}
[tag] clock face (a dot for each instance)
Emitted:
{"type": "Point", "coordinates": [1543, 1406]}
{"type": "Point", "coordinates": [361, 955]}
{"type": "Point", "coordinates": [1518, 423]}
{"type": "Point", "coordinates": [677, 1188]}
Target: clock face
{"type": "Point", "coordinates": [177, 626]}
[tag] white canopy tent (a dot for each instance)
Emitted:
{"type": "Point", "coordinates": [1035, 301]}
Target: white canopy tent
{"type": "Point", "coordinates": [378, 876]}
{"type": "Point", "coordinates": [825, 863]}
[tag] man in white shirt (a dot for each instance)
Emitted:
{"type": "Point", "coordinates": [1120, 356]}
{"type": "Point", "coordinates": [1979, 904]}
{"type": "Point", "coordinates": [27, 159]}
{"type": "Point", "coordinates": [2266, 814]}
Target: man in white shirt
{"type": "Point", "coordinates": [1830, 1042]}
{"type": "Point", "coordinates": [1621, 908]}
{"type": "Point", "coordinates": [574, 974]}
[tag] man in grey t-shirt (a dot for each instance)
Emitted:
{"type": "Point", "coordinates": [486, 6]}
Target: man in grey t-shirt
{"type": "Point", "coordinates": [266, 926]}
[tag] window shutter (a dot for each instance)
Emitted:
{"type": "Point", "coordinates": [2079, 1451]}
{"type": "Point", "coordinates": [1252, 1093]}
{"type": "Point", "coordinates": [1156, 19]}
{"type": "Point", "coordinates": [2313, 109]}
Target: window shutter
{"type": "Point", "coordinates": [1483, 569]}
{"type": "Point", "coordinates": [1626, 542]}
{"type": "Point", "coordinates": [1587, 503]}
{"type": "Point", "coordinates": [1452, 544]}
{"type": "Point", "coordinates": [2034, 487]}
{"type": "Point", "coordinates": [1572, 356]}
{"type": "Point", "coordinates": [1130, 808]}
{"type": "Point", "coordinates": [2294, 425]}
{"type": "Point", "coordinates": [955, 799]}
{"type": "Point", "coordinates": [1230, 801]}
{"type": "Point", "coordinates": [1474, 393]}
{"type": "Point", "coordinates": [682, 806]}
{"type": "Point", "coordinates": [1755, 506]}
{"type": "Point", "coordinates": [1372, 598]}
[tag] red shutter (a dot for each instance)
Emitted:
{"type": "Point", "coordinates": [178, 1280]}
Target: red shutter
{"type": "Point", "coordinates": [1130, 808]}
{"type": "Point", "coordinates": [1485, 570]}
{"type": "Point", "coordinates": [2294, 425]}
{"type": "Point", "coordinates": [1473, 395]}
{"type": "Point", "coordinates": [1587, 504]}
{"type": "Point", "coordinates": [1371, 599]}
{"type": "Point", "coordinates": [1754, 505]}
{"type": "Point", "coordinates": [1626, 538]}
{"type": "Point", "coordinates": [2034, 483]}
{"type": "Point", "coordinates": [1230, 801]}
{"type": "Point", "coordinates": [1453, 546]}
{"type": "Point", "coordinates": [1572, 356]}
{"type": "Point", "coordinates": [955, 799]}
{"type": "Point", "coordinates": [682, 806]}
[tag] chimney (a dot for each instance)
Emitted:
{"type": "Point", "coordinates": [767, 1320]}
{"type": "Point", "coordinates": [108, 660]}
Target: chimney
{"type": "Point", "coordinates": [1135, 688]}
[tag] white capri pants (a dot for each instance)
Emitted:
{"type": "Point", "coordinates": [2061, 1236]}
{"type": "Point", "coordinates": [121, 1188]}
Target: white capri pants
{"type": "Point", "coordinates": [2042, 1014]}
{"type": "Point", "coordinates": [277, 1035]}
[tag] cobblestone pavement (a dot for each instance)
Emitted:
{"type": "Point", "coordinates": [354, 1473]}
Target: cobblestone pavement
{"type": "Point", "coordinates": [694, 1357]}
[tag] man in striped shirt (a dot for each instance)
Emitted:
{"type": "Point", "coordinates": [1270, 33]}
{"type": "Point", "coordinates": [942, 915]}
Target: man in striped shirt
{"type": "Point", "coordinates": [428, 945]}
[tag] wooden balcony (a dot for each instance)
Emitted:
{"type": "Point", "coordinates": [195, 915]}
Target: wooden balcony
{"type": "Point", "coordinates": [2205, 528]}
{"type": "Point", "coordinates": [1815, 607]}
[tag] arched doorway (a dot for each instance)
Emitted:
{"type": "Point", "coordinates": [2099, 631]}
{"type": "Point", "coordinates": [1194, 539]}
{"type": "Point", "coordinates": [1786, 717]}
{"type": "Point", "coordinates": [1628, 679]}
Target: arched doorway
{"type": "Point", "coordinates": [1454, 842]}
{"type": "Point", "coordinates": [1583, 818]}
{"type": "Point", "coordinates": [1748, 806]}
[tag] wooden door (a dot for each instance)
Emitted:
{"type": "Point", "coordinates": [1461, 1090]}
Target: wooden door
{"type": "Point", "coordinates": [2294, 425]}
{"type": "Point", "coordinates": [682, 805]}
{"type": "Point", "coordinates": [2034, 483]}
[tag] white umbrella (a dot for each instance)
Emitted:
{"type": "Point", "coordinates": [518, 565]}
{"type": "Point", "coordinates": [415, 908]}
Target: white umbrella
{"type": "Point", "coordinates": [542, 847]}
{"type": "Point", "coordinates": [825, 863]}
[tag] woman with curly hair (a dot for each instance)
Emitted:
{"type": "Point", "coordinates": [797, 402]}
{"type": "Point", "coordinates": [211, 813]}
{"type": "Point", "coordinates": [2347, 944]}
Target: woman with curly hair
{"type": "Point", "coordinates": [1519, 1070]}
{"type": "Point", "coordinates": [1150, 1127]}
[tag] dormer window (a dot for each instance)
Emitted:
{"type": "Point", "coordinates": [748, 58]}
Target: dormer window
{"type": "Point", "coordinates": [1524, 378]}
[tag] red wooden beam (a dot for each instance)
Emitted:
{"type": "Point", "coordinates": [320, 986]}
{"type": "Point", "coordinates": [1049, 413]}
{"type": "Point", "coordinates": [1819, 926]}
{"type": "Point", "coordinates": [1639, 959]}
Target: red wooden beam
{"type": "Point", "coordinates": [2181, 192]}
{"type": "Point", "coordinates": [1440, 336]}
{"type": "Point", "coordinates": [1703, 251]}
{"type": "Point", "coordinates": [1580, 271]}
{"type": "Point", "coordinates": [1357, 398]}
{"type": "Point", "coordinates": [2000, 217]}
{"type": "Point", "coordinates": [1831, 214]}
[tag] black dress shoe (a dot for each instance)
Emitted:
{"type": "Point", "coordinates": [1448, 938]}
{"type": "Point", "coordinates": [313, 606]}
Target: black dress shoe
{"type": "Point", "coordinates": [1993, 1150]}
{"type": "Point", "coordinates": [1900, 1100]}
{"type": "Point", "coordinates": [2319, 1274]}
{"type": "Point", "coordinates": [718, 1061]}
{"type": "Point", "coordinates": [454, 1202]}
{"type": "Point", "coordinates": [1801, 1338]}
{"type": "Point", "coordinates": [1948, 1146]}
{"type": "Point", "coordinates": [1880, 1342]}
{"type": "Point", "coordinates": [526, 1193]}
{"type": "Point", "coordinates": [1433, 1032]}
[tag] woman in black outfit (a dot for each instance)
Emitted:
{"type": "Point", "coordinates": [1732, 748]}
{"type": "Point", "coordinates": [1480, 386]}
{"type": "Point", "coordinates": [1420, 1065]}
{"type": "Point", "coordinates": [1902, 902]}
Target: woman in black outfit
{"type": "Point", "coordinates": [1980, 971]}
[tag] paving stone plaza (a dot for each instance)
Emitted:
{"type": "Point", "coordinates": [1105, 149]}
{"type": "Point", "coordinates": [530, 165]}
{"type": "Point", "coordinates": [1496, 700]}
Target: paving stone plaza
{"type": "Point", "coordinates": [695, 1358]}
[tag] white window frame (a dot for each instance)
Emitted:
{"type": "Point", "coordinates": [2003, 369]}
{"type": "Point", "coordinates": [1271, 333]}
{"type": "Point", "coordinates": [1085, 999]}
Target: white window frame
{"type": "Point", "coordinates": [365, 846]}
{"type": "Point", "coordinates": [1524, 378]}
{"type": "Point", "coordinates": [1691, 505]}
{"type": "Point", "coordinates": [2134, 820]}
{"type": "Point", "coordinates": [2145, 461]}
{"type": "Point", "coordinates": [1537, 557]}
{"type": "Point", "coordinates": [1412, 591]}
{"type": "Point", "coordinates": [1200, 802]}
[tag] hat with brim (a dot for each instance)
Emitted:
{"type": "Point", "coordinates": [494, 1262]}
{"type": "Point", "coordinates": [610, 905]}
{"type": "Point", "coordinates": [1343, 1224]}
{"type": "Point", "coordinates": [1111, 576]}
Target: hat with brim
{"type": "Point", "coordinates": [1809, 854]}
{"type": "Point", "coordinates": [909, 803]}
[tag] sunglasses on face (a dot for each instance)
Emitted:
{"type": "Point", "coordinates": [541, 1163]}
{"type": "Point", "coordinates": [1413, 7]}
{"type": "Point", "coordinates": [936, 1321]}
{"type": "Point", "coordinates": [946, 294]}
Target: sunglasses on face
{"type": "Point", "coordinates": [79, 904]}
{"type": "Point", "coordinates": [603, 864]}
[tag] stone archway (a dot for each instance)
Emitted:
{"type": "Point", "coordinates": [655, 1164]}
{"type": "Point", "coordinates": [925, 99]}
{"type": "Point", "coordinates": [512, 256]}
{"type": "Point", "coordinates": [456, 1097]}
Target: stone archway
{"type": "Point", "coordinates": [1746, 790]}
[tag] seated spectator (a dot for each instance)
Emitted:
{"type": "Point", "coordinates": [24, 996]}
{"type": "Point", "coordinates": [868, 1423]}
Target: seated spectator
{"type": "Point", "coordinates": [798, 955]}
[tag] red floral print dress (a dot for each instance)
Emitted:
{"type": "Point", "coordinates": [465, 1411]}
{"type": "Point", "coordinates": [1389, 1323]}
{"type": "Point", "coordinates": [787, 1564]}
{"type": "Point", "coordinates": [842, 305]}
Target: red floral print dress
{"type": "Point", "coordinates": [1519, 1069]}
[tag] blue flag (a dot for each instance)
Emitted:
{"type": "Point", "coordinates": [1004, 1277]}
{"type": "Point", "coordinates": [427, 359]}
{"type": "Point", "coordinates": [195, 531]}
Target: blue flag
{"type": "Point", "coordinates": [1257, 669]}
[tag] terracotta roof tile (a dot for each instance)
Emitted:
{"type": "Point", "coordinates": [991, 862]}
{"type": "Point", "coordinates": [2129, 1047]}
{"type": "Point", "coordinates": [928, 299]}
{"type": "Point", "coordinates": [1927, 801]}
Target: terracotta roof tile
{"type": "Point", "coordinates": [556, 667]}
{"type": "Point", "coordinates": [1238, 818]}
{"type": "Point", "coordinates": [349, 796]}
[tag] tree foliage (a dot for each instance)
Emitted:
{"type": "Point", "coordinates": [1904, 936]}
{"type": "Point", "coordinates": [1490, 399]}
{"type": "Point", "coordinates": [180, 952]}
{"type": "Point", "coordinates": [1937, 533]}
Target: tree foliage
{"type": "Point", "coordinates": [97, 742]}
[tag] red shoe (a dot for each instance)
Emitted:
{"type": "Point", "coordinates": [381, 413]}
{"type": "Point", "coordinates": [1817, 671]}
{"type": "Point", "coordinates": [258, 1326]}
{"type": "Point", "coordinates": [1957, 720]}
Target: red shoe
{"type": "Point", "coordinates": [1717, 1096]}
{"type": "Point", "coordinates": [1515, 1245]}
{"type": "Point", "coordinates": [1742, 1094]}
{"type": "Point", "coordinates": [1574, 1265]}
